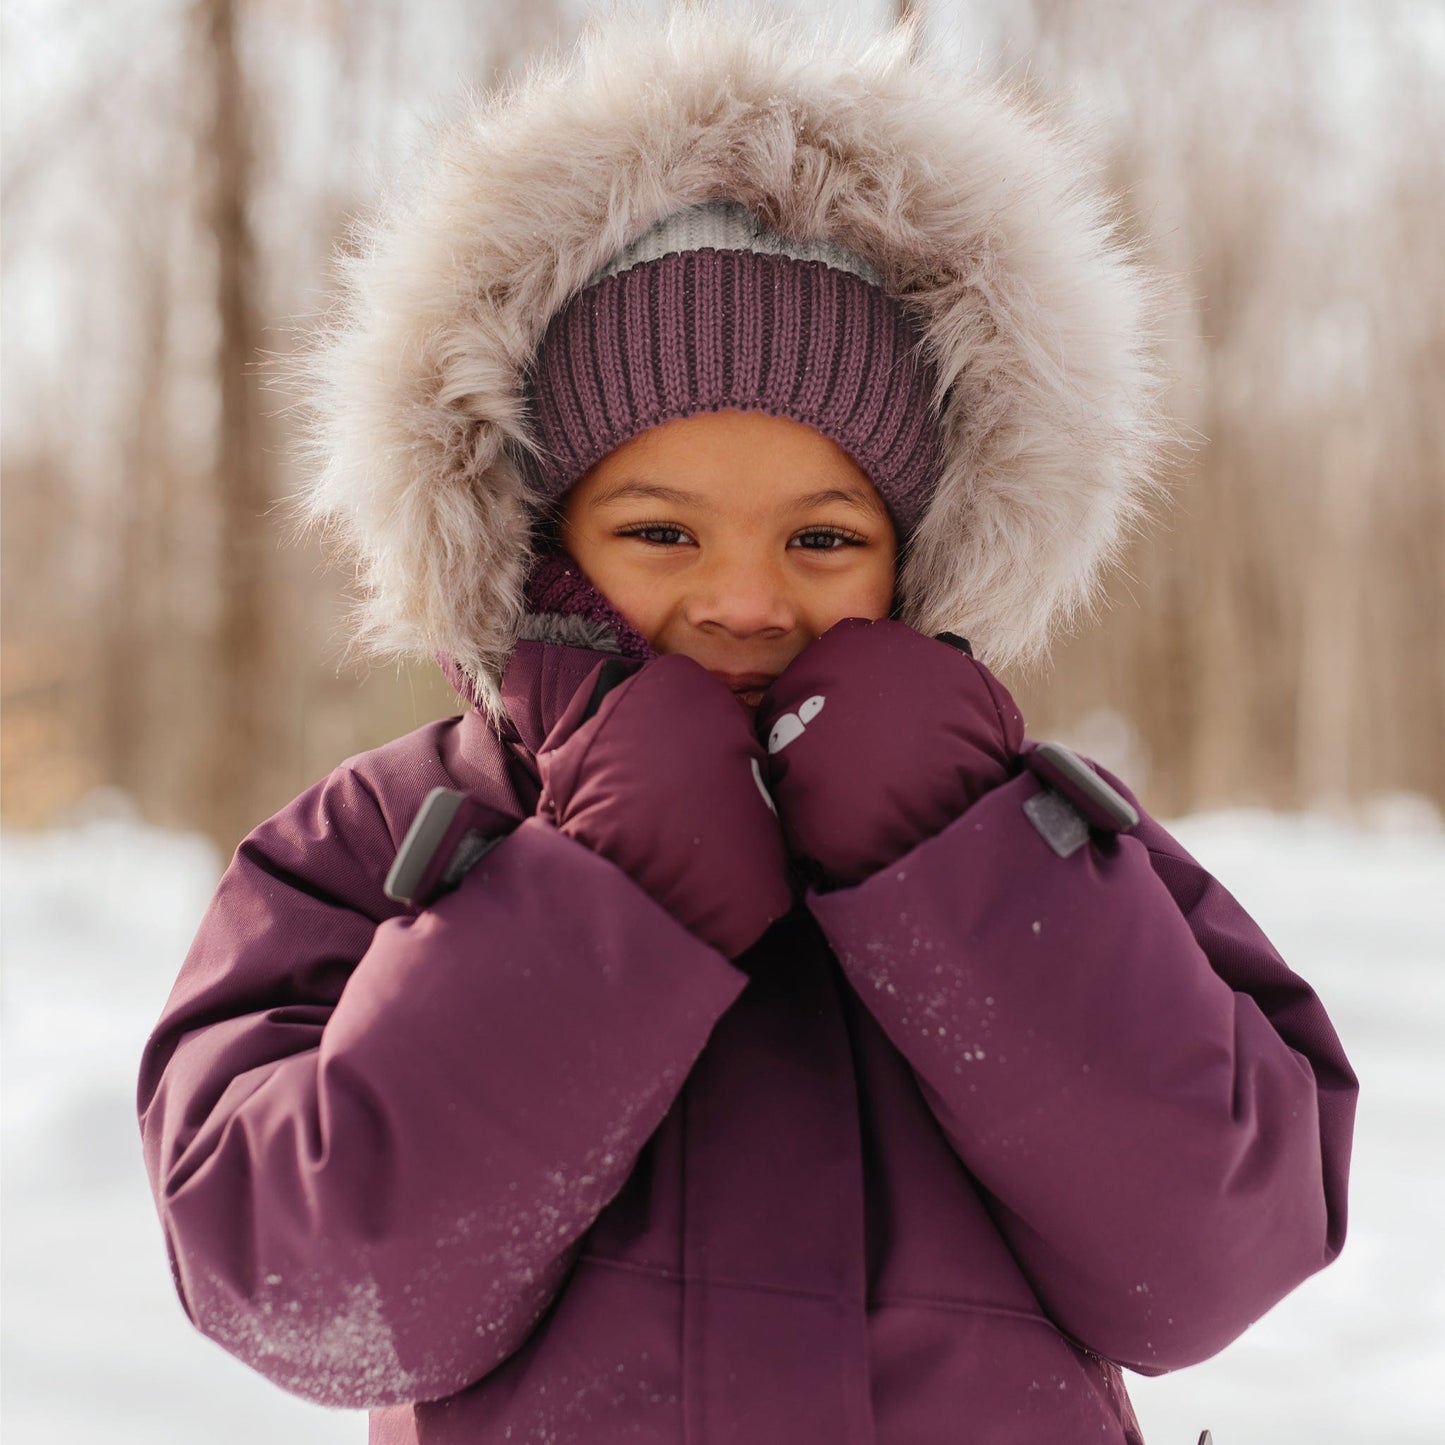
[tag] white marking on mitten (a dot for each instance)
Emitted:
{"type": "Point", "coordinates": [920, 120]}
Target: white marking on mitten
{"type": "Point", "coordinates": [762, 787]}
{"type": "Point", "coordinates": [789, 727]}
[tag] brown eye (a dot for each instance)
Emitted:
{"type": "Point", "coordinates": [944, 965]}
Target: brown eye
{"type": "Point", "coordinates": [834, 539]}
{"type": "Point", "coordinates": [654, 534]}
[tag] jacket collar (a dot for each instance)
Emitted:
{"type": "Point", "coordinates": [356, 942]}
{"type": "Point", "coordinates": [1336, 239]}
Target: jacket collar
{"type": "Point", "coordinates": [541, 678]}
{"type": "Point", "coordinates": [568, 628]}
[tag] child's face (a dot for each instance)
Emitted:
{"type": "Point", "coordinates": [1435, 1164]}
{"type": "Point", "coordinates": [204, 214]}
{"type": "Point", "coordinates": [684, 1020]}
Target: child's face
{"type": "Point", "coordinates": [707, 535]}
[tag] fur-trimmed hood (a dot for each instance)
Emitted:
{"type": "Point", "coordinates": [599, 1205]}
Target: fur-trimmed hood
{"type": "Point", "coordinates": [980, 213]}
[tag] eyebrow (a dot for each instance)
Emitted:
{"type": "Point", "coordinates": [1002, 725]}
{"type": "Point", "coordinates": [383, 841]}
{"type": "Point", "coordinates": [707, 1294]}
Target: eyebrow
{"type": "Point", "coordinates": [654, 491]}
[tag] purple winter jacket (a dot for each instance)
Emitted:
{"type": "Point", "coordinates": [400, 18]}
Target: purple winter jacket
{"type": "Point", "coordinates": [536, 1164]}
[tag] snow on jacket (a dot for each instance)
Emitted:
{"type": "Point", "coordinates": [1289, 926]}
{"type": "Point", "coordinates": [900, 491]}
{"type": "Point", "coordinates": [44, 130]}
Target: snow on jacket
{"type": "Point", "coordinates": [534, 1163]}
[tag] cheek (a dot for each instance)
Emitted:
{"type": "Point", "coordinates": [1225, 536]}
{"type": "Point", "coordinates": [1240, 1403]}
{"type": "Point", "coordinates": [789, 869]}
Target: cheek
{"type": "Point", "coordinates": [865, 592]}
{"type": "Point", "coordinates": [638, 598]}
{"type": "Point", "coordinates": [607, 567]}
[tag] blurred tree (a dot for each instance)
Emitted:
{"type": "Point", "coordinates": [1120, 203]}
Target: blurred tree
{"type": "Point", "coordinates": [177, 176]}
{"type": "Point", "coordinates": [141, 568]}
{"type": "Point", "coordinates": [239, 751]}
{"type": "Point", "coordinates": [1278, 637]}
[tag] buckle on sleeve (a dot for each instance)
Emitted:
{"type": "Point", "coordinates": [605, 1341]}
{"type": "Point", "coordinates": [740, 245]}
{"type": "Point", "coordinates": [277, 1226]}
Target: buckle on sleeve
{"type": "Point", "coordinates": [447, 838]}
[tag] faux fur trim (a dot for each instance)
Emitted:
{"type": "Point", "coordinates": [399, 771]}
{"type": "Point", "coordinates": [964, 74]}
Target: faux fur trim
{"type": "Point", "coordinates": [981, 213]}
{"type": "Point", "coordinates": [568, 631]}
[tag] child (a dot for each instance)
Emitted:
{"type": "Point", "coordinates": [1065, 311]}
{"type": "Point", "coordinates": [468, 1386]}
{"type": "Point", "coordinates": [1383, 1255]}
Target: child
{"type": "Point", "coordinates": [777, 1047]}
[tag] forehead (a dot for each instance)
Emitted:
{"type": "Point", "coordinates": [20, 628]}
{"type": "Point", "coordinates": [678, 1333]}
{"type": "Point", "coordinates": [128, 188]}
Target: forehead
{"type": "Point", "coordinates": [723, 460]}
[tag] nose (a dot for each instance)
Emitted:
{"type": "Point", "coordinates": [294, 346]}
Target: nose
{"type": "Point", "coordinates": [742, 596]}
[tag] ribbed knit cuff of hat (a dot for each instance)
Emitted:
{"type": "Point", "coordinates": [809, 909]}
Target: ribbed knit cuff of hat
{"type": "Point", "coordinates": [751, 322]}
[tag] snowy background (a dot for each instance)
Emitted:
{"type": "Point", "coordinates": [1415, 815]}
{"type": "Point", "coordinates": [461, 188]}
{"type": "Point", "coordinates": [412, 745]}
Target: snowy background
{"type": "Point", "coordinates": [97, 1351]}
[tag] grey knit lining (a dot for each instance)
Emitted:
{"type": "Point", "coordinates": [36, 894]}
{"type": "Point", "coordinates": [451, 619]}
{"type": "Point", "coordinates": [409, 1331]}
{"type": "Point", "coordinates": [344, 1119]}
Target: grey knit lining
{"type": "Point", "coordinates": [728, 226]}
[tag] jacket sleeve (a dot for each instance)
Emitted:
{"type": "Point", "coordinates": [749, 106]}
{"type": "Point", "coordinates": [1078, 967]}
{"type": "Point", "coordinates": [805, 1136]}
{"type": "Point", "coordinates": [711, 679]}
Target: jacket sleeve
{"type": "Point", "coordinates": [1158, 1110]}
{"type": "Point", "coordinates": [376, 1137]}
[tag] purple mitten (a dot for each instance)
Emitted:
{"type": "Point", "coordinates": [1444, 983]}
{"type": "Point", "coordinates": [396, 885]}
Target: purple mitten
{"type": "Point", "coordinates": [879, 737]}
{"type": "Point", "coordinates": [665, 779]}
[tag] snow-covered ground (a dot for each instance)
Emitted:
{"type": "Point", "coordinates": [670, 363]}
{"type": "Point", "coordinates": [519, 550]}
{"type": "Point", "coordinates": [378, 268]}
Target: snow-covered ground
{"type": "Point", "coordinates": [97, 1350]}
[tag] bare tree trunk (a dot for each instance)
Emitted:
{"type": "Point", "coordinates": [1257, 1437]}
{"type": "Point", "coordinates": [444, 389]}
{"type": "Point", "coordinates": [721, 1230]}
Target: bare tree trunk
{"type": "Point", "coordinates": [238, 748]}
{"type": "Point", "coordinates": [128, 639]}
{"type": "Point", "coordinates": [1332, 642]}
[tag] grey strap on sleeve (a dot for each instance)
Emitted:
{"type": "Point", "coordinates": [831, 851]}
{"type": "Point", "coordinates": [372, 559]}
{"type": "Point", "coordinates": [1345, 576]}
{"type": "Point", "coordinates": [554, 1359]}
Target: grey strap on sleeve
{"type": "Point", "coordinates": [1073, 800]}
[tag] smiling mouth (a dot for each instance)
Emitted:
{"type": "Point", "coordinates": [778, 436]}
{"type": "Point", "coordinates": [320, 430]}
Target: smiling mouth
{"type": "Point", "coordinates": [747, 687]}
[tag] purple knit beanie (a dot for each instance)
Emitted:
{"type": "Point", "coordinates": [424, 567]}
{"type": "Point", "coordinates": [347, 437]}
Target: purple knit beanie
{"type": "Point", "coordinates": [709, 310]}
